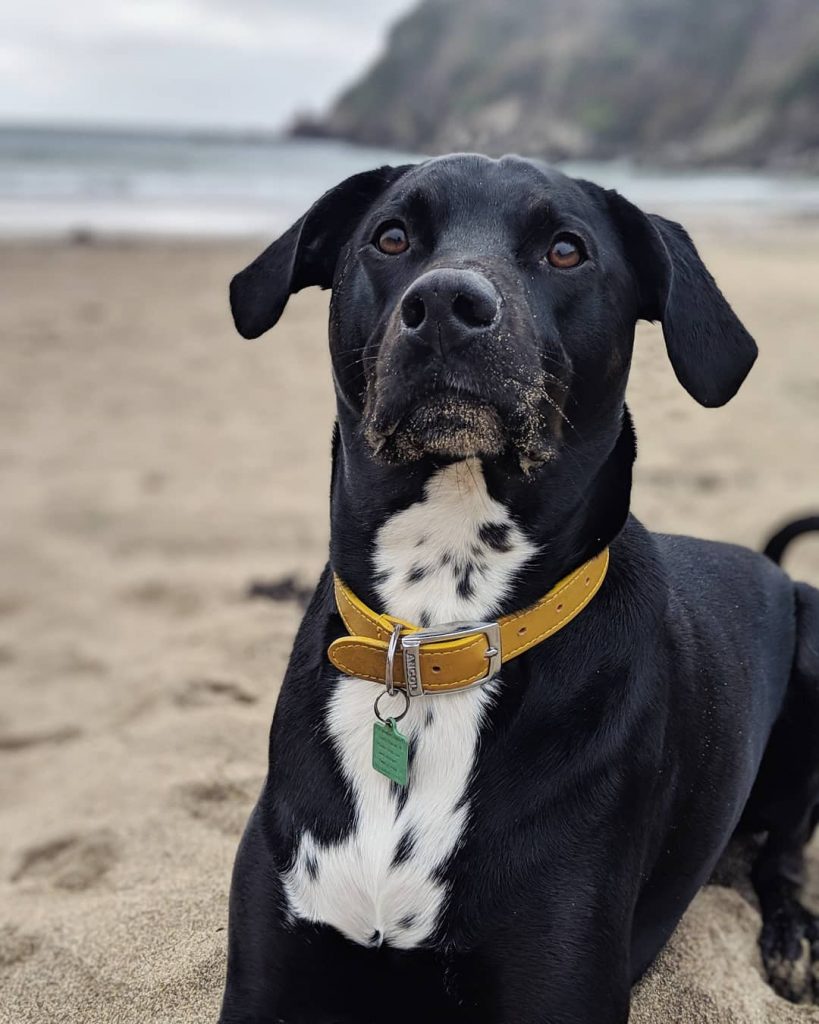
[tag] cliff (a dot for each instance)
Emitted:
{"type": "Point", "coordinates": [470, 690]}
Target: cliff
{"type": "Point", "coordinates": [665, 81]}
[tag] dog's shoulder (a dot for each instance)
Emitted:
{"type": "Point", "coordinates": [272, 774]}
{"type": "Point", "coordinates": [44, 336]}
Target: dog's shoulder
{"type": "Point", "coordinates": [710, 563]}
{"type": "Point", "coordinates": [732, 598]}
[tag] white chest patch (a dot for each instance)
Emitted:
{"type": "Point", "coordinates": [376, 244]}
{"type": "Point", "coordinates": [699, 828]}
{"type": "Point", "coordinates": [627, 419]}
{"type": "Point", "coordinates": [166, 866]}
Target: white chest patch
{"type": "Point", "coordinates": [452, 555]}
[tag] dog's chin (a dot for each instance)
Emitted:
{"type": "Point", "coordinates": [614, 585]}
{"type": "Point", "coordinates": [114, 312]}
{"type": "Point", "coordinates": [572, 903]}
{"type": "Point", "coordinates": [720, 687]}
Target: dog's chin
{"type": "Point", "coordinates": [445, 427]}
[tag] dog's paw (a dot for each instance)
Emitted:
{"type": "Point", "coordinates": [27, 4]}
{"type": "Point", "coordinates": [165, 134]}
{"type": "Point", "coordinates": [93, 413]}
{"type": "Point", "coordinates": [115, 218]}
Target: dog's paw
{"type": "Point", "coordinates": [789, 945]}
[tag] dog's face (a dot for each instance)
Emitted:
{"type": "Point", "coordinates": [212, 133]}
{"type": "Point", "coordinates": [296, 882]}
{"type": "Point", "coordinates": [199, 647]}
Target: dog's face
{"type": "Point", "coordinates": [487, 308]}
{"type": "Point", "coordinates": [479, 307]}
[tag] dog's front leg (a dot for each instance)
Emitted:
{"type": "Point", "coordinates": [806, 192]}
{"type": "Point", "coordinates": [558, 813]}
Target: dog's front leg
{"type": "Point", "coordinates": [569, 984]}
{"type": "Point", "coordinates": [257, 935]}
{"type": "Point", "coordinates": [558, 961]}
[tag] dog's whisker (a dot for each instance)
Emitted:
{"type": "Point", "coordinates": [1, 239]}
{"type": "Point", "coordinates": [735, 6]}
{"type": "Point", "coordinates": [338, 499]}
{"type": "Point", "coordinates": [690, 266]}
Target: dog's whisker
{"type": "Point", "coordinates": [364, 360]}
{"type": "Point", "coordinates": [552, 379]}
{"type": "Point", "coordinates": [558, 409]}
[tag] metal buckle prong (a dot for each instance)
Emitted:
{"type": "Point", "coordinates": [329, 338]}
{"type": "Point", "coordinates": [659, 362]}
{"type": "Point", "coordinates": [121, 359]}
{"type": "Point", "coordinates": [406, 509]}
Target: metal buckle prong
{"type": "Point", "coordinates": [411, 645]}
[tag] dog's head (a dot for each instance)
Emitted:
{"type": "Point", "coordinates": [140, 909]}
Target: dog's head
{"type": "Point", "coordinates": [486, 307]}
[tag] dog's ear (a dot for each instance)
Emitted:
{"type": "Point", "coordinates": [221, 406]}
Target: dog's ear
{"type": "Point", "coordinates": [710, 350]}
{"type": "Point", "coordinates": [306, 253]}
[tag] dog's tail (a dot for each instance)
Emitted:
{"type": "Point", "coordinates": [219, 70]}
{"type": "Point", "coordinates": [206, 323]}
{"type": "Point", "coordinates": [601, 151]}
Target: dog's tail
{"type": "Point", "coordinates": [775, 548]}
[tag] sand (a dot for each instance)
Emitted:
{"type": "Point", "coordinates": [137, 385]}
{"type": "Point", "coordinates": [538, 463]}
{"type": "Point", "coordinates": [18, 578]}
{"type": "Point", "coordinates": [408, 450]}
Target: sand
{"type": "Point", "coordinates": [152, 465]}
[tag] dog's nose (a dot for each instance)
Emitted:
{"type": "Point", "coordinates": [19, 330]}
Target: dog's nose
{"type": "Point", "coordinates": [458, 303]}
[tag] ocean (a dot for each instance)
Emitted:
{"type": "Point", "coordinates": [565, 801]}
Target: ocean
{"type": "Point", "coordinates": [55, 182]}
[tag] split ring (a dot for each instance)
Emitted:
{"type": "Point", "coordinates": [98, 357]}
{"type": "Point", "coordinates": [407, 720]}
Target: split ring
{"type": "Point", "coordinates": [395, 718]}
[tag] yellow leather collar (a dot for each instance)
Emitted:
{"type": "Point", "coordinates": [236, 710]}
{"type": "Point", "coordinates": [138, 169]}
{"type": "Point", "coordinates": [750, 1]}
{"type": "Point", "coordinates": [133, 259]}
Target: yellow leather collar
{"type": "Point", "coordinates": [456, 655]}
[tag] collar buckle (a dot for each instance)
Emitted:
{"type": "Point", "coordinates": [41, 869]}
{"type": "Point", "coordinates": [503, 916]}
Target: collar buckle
{"type": "Point", "coordinates": [411, 644]}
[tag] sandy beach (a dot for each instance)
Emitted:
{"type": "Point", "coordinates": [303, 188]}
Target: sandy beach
{"type": "Point", "coordinates": [152, 466]}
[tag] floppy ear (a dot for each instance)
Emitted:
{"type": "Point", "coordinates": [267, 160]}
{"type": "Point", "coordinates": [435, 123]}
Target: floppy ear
{"type": "Point", "coordinates": [710, 350]}
{"type": "Point", "coordinates": [306, 253]}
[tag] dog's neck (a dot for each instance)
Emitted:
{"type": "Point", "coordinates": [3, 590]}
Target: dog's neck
{"type": "Point", "coordinates": [470, 540]}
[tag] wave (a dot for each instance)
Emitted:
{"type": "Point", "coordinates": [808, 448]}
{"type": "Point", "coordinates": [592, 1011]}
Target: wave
{"type": "Point", "coordinates": [54, 181]}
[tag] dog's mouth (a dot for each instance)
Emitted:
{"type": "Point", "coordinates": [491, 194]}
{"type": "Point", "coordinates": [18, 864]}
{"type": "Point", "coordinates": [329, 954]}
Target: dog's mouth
{"type": "Point", "coordinates": [454, 426]}
{"type": "Point", "coordinates": [445, 425]}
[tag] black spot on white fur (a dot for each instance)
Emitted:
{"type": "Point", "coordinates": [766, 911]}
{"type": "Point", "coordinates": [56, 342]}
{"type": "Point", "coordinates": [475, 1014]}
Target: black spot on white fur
{"type": "Point", "coordinates": [403, 850]}
{"type": "Point", "coordinates": [465, 586]}
{"type": "Point", "coordinates": [400, 795]}
{"type": "Point", "coordinates": [495, 536]}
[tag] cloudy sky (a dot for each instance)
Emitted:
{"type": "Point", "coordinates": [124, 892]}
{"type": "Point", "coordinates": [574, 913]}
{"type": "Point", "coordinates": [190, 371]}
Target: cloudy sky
{"type": "Point", "coordinates": [237, 63]}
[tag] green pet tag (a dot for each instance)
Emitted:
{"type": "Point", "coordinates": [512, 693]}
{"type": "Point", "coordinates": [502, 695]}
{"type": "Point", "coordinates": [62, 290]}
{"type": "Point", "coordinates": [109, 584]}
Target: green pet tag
{"type": "Point", "coordinates": [390, 751]}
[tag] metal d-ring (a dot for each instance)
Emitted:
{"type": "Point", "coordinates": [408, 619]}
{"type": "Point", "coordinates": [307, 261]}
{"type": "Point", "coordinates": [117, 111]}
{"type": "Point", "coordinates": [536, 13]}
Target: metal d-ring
{"type": "Point", "coordinates": [392, 649]}
{"type": "Point", "coordinates": [395, 718]}
{"type": "Point", "coordinates": [389, 677]}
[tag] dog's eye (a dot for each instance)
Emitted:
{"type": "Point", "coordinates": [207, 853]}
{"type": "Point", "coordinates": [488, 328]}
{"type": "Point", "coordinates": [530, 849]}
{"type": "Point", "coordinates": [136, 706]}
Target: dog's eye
{"type": "Point", "coordinates": [566, 251]}
{"type": "Point", "coordinates": [391, 239]}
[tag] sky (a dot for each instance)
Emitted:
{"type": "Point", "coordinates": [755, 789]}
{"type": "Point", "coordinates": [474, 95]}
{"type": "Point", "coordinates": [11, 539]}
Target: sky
{"type": "Point", "coordinates": [205, 63]}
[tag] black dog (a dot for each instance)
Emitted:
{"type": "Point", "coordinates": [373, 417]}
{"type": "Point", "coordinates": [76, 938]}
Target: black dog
{"type": "Point", "coordinates": [559, 817]}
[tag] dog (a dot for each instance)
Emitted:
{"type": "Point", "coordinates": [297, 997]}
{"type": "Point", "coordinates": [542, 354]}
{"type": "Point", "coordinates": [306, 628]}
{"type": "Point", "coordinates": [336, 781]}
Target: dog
{"type": "Point", "coordinates": [517, 729]}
